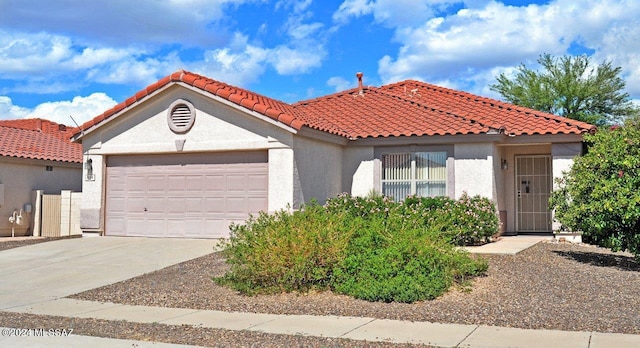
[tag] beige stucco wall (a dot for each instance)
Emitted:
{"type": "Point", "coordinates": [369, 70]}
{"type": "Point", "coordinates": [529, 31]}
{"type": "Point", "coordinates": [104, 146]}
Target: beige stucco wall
{"type": "Point", "coordinates": [318, 170]}
{"type": "Point", "coordinates": [219, 126]}
{"type": "Point", "coordinates": [358, 170]}
{"type": "Point", "coordinates": [20, 177]}
{"type": "Point", "coordinates": [475, 169]}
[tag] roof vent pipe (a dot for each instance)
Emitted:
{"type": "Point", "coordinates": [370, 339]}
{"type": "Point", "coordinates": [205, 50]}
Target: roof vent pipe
{"type": "Point", "coordinates": [360, 87]}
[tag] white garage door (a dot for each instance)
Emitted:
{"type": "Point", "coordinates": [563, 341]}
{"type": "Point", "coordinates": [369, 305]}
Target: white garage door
{"type": "Point", "coordinates": [187, 195]}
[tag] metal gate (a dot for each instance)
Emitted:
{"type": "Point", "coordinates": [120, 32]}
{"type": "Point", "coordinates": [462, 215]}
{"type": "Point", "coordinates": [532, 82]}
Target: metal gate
{"type": "Point", "coordinates": [533, 189]}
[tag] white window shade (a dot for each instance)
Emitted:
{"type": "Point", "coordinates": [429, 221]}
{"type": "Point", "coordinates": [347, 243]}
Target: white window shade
{"type": "Point", "coordinates": [396, 175]}
{"type": "Point", "coordinates": [419, 173]}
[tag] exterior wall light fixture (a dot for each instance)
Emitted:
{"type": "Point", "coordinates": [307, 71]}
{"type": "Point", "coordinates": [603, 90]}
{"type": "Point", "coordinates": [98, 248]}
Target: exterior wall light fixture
{"type": "Point", "coordinates": [88, 165]}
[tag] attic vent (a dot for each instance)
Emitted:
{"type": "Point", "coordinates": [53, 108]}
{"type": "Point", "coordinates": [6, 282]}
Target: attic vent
{"type": "Point", "coordinates": [181, 116]}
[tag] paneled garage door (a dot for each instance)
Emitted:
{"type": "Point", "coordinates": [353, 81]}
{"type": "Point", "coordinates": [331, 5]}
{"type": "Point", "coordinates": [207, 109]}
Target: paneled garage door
{"type": "Point", "coordinates": [187, 195]}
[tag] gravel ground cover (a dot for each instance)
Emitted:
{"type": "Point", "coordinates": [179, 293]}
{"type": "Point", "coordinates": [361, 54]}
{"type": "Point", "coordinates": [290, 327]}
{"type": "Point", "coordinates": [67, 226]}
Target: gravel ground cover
{"type": "Point", "coordinates": [549, 286]}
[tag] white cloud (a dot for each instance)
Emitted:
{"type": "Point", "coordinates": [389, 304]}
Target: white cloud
{"type": "Point", "coordinates": [473, 45]}
{"type": "Point", "coordinates": [238, 64]}
{"type": "Point", "coordinates": [242, 63]}
{"type": "Point", "coordinates": [352, 8]}
{"type": "Point", "coordinates": [46, 61]}
{"type": "Point", "coordinates": [135, 70]}
{"type": "Point", "coordinates": [304, 50]}
{"type": "Point", "coordinates": [8, 111]}
{"type": "Point", "coordinates": [81, 108]}
{"type": "Point", "coordinates": [340, 83]}
{"type": "Point", "coordinates": [33, 57]}
{"type": "Point", "coordinates": [23, 53]}
{"type": "Point", "coordinates": [289, 61]}
{"type": "Point", "coordinates": [478, 38]}
{"type": "Point", "coordinates": [120, 22]}
{"type": "Point", "coordinates": [392, 13]}
{"type": "Point", "coordinates": [294, 5]}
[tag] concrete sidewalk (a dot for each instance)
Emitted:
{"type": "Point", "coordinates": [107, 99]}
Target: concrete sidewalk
{"type": "Point", "coordinates": [508, 245]}
{"type": "Point", "coordinates": [356, 328]}
{"type": "Point", "coordinates": [10, 338]}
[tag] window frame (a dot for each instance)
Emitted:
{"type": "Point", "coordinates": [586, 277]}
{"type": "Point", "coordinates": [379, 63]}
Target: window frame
{"type": "Point", "coordinates": [412, 150]}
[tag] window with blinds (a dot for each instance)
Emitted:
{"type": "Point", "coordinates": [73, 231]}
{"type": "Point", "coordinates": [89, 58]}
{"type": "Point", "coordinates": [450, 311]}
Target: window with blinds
{"type": "Point", "coordinates": [418, 173]}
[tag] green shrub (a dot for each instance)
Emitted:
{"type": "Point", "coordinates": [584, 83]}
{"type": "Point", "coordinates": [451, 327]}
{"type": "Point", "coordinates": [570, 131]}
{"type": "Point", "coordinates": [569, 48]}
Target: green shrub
{"type": "Point", "coordinates": [600, 195]}
{"type": "Point", "coordinates": [474, 220]}
{"type": "Point", "coordinates": [286, 251]}
{"type": "Point", "coordinates": [391, 260]}
{"type": "Point", "coordinates": [363, 207]}
{"type": "Point", "coordinates": [371, 248]}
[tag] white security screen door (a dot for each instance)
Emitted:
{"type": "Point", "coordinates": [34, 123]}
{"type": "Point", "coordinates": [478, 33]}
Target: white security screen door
{"type": "Point", "coordinates": [533, 189]}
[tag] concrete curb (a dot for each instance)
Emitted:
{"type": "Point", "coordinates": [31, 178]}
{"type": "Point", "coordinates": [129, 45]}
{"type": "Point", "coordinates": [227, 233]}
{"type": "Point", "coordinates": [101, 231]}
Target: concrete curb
{"type": "Point", "coordinates": [356, 328]}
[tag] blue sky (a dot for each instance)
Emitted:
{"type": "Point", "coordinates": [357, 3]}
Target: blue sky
{"type": "Point", "coordinates": [82, 57]}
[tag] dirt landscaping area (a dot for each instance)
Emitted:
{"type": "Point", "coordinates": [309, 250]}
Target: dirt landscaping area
{"type": "Point", "coordinates": [549, 286]}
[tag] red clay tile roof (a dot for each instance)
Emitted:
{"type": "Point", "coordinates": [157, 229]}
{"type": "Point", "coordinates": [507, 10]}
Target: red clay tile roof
{"type": "Point", "coordinates": [515, 120]}
{"type": "Point", "coordinates": [376, 113]}
{"type": "Point", "coordinates": [38, 139]}
{"type": "Point", "coordinates": [277, 110]}
{"type": "Point", "coordinates": [402, 109]}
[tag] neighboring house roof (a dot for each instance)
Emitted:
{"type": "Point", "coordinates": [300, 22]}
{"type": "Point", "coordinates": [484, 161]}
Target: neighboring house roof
{"type": "Point", "coordinates": [401, 109]}
{"type": "Point", "coordinates": [38, 139]}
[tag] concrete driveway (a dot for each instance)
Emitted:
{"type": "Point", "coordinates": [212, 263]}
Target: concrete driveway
{"type": "Point", "coordinates": [52, 270]}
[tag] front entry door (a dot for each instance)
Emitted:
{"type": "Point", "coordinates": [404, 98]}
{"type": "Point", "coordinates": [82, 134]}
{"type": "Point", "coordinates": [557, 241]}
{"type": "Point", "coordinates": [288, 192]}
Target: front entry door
{"type": "Point", "coordinates": [533, 188]}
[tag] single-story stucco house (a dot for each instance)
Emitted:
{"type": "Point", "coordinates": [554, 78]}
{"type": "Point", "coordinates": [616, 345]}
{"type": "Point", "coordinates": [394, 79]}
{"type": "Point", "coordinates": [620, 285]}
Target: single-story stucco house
{"type": "Point", "coordinates": [35, 154]}
{"type": "Point", "coordinates": [189, 155]}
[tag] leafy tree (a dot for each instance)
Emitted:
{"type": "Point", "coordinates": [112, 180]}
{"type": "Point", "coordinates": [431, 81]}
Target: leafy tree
{"type": "Point", "coordinates": [570, 86]}
{"type": "Point", "coordinates": [600, 195]}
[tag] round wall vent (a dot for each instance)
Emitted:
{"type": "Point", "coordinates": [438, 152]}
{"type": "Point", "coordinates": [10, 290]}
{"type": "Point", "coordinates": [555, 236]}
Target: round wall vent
{"type": "Point", "coordinates": [181, 116]}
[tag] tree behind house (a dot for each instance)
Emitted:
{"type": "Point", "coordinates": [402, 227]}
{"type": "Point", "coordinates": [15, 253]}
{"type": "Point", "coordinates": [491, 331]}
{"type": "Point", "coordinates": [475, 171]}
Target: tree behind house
{"type": "Point", "coordinates": [572, 87]}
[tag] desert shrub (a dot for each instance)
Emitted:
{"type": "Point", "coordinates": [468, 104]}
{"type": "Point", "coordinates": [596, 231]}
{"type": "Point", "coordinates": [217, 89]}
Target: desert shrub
{"type": "Point", "coordinates": [364, 207]}
{"type": "Point", "coordinates": [286, 251]}
{"type": "Point", "coordinates": [368, 247]}
{"type": "Point", "coordinates": [600, 195]}
{"type": "Point", "coordinates": [393, 260]}
{"type": "Point", "coordinates": [474, 220]}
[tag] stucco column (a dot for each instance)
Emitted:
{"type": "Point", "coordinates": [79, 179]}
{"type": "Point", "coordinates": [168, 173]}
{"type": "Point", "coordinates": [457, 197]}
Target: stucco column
{"type": "Point", "coordinates": [92, 189]}
{"type": "Point", "coordinates": [562, 160]}
{"type": "Point", "coordinates": [281, 178]}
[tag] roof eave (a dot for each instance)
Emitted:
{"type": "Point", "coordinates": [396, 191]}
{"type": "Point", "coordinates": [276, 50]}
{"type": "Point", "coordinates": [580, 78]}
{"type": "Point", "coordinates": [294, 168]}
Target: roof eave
{"type": "Point", "coordinates": [293, 128]}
